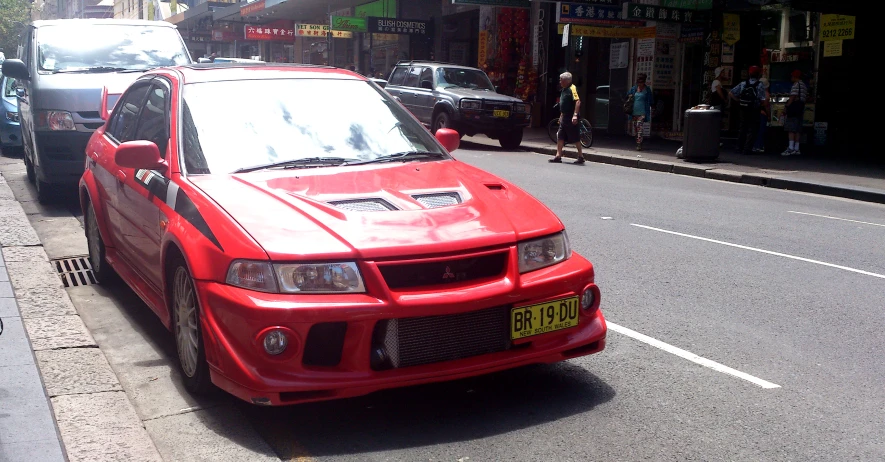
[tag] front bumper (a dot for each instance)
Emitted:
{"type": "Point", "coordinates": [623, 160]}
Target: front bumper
{"type": "Point", "coordinates": [233, 320]}
{"type": "Point", "coordinates": [61, 156]}
{"type": "Point", "coordinates": [483, 122]}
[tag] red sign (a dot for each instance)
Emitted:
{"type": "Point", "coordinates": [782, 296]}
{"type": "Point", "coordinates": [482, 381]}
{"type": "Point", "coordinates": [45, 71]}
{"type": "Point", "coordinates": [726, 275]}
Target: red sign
{"type": "Point", "coordinates": [250, 8]}
{"type": "Point", "coordinates": [272, 32]}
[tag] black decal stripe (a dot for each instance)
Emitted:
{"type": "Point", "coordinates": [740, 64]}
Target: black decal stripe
{"type": "Point", "coordinates": [185, 207]}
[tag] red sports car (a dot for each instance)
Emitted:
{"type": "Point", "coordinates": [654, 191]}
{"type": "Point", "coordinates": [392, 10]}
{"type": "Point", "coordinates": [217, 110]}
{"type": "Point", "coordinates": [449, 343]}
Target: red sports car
{"type": "Point", "coordinates": [318, 242]}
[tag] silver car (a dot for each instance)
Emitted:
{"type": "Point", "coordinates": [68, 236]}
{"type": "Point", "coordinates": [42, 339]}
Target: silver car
{"type": "Point", "coordinates": [63, 67]}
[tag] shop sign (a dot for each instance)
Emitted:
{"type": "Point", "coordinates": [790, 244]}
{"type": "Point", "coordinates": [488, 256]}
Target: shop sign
{"type": "Point", "coordinates": [579, 13]}
{"type": "Point", "coordinates": [223, 36]}
{"type": "Point", "coordinates": [832, 48]}
{"type": "Point", "coordinates": [610, 32]}
{"type": "Point", "coordinates": [251, 8]}
{"type": "Point", "coordinates": [688, 4]}
{"type": "Point", "coordinates": [836, 27]}
{"type": "Point", "coordinates": [641, 12]}
{"type": "Point", "coordinates": [348, 23]}
{"type": "Point", "coordinates": [731, 28]}
{"type": "Point", "coordinates": [482, 54]}
{"type": "Point", "coordinates": [667, 31]}
{"type": "Point", "coordinates": [320, 30]}
{"type": "Point", "coordinates": [506, 3]}
{"type": "Point", "coordinates": [378, 8]}
{"type": "Point", "coordinates": [691, 34]}
{"type": "Point", "coordinates": [618, 55]}
{"type": "Point", "coordinates": [397, 26]}
{"type": "Point", "coordinates": [268, 32]}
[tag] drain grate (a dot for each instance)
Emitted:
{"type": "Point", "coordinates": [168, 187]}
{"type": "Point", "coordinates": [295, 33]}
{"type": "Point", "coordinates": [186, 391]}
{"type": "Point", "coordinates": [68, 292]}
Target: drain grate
{"type": "Point", "coordinates": [75, 271]}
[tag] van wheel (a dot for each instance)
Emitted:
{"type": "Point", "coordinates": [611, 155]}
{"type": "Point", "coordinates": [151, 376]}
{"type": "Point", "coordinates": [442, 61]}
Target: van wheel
{"type": "Point", "coordinates": [44, 192]}
{"type": "Point", "coordinates": [29, 169]}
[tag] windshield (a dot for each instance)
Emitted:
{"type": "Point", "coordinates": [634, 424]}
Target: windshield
{"type": "Point", "coordinates": [473, 79]}
{"type": "Point", "coordinates": [112, 47]}
{"type": "Point", "coordinates": [291, 119]}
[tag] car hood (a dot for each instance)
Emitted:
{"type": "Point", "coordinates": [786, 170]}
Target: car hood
{"type": "Point", "coordinates": [78, 92]}
{"type": "Point", "coordinates": [479, 94]}
{"type": "Point", "coordinates": [291, 215]}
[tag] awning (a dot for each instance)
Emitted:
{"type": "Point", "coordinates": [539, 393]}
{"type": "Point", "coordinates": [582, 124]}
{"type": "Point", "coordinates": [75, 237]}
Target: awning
{"type": "Point", "coordinates": [264, 11]}
{"type": "Point", "coordinates": [191, 15]}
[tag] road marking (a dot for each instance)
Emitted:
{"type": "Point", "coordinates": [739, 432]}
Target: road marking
{"type": "Point", "coordinates": [690, 356]}
{"type": "Point", "coordinates": [769, 252]}
{"type": "Point", "coordinates": [837, 218]}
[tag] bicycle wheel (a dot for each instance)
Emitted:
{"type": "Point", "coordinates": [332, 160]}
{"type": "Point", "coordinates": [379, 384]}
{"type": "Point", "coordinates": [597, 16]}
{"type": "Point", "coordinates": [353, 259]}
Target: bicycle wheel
{"type": "Point", "coordinates": [586, 133]}
{"type": "Point", "coordinates": [553, 129]}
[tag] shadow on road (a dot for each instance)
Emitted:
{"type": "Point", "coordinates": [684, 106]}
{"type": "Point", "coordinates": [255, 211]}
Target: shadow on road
{"type": "Point", "coordinates": [428, 415]}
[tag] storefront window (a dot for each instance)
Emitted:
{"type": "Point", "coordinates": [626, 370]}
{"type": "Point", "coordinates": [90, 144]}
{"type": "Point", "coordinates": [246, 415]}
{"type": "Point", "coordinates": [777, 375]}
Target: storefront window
{"type": "Point", "coordinates": [771, 30]}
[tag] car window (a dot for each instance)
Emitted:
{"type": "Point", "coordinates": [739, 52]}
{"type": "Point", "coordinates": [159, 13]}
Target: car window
{"type": "Point", "coordinates": [412, 78]}
{"type": "Point", "coordinates": [8, 88]}
{"type": "Point", "coordinates": [153, 122]}
{"type": "Point", "coordinates": [291, 119]}
{"type": "Point", "coordinates": [453, 77]}
{"type": "Point", "coordinates": [122, 127]}
{"type": "Point", "coordinates": [426, 76]}
{"type": "Point", "coordinates": [399, 76]}
{"type": "Point", "coordinates": [74, 47]}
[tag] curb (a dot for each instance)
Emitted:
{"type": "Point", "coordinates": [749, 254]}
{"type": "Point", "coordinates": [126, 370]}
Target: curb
{"type": "Point", "coordinates": [711, 172]}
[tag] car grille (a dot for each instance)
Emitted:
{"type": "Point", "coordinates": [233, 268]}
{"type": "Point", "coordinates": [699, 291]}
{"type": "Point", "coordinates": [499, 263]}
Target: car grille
{"type": "Point", "coordinates": [433, 201]}
{"type": "Point", "coordinates": [364, 205]}
{"type": "Point", "coordinates": [400, 276]}
{"type": "Point", "coordinates": [407, 342]}
{"type": "Point", "coordinates": [491, 106]}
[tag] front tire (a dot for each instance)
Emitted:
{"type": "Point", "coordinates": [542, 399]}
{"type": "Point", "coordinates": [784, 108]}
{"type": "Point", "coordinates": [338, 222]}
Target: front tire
{"type": "Point", "coordinates": [187, 329]}
{"type": "Point", "coordinates": [511, 140]}
{"type": "Point", "coordinates": [102, 271]}
{"type": "Point", "coordinates": [441, 120]}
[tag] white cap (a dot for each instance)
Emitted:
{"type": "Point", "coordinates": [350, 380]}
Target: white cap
{"type": "Point", "coordinates": [717, 72]}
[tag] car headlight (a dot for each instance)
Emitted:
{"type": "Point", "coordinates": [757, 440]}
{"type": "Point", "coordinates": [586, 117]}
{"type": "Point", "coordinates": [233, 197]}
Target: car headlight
{"type": "Point", "coordinates": [12, 116]}
{"type": "Point", "coordinates": [543, 252]}
{"type": "Point", "coordinates": [320, 278]}
{"type": "Point", "coordinates": [521, 108]}
{"type": "Point", "coordinates": [54, 121]}
{"type": "Point", "coordinates": [296, 278]}
{"type": "Point", "coordinates": [471, 104]}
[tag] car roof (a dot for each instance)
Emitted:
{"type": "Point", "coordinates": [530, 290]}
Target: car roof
{"type": "Point", "coordinates": [94, 22]}
{"type": "Point", "coordinates": [215, 72]}
{"type": "Point", "coordinates": [434, 64]}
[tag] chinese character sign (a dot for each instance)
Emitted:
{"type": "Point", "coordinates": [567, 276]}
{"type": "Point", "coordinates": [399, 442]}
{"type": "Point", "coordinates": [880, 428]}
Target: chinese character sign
{"type": "Point", "coordinates": [269, 32]}
{"type": "Point", "coordinates": [397, 26]}
{"type": "Point", "coordinates": [582, 13]}
{"type": "Point", "coordinates": [643, 12]}
{"type": "Point", "coordinates": [320, 30]}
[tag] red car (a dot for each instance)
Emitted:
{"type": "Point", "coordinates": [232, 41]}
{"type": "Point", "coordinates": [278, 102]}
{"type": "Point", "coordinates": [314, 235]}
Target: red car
{"type": "Point", "coordinates": [318, 242]}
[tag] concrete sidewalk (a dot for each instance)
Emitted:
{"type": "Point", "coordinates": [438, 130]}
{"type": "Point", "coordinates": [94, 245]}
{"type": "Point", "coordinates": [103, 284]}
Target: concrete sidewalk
{"type": "Point", "coordinates": [832, 177]}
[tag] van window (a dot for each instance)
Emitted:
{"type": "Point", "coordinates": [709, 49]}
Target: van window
{"type": "Point", "coordinates": [107, 47]}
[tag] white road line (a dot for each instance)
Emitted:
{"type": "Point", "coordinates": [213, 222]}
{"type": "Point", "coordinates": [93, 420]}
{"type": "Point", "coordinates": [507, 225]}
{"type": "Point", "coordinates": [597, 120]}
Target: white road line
{"type": "Point", "coordinates": [837, 218]}
{"type": "Point", "coordinates": [769, 252]}
{"type": "Point", "coordinates": [691, 356]}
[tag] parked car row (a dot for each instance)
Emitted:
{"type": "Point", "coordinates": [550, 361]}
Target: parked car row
{"type": "Point", "coordinates": [303, 255]}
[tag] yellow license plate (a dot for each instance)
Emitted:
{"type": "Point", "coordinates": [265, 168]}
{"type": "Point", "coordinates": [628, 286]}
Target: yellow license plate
{"type": "Point", "coordinates": [501, 113]}
{"type": "Point", "coordinates": [526, 321]}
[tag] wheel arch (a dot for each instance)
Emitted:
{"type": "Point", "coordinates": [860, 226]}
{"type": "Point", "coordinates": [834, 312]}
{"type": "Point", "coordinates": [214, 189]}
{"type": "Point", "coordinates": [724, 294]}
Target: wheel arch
{"type": "Point", "coordinates": [88, 193]}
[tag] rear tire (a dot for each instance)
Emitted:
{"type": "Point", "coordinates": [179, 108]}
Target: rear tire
{"type": "Point", "coordinates": [44, 192]}
{"type": "Point", "coordinates": [553, 130]}
{"type": "Point", "coordinates": [103, 272]}
{"type": "Point", "coordinates": [186, 328]}
{"type": "Point", "coordinates": [511, 140]}
{"type": "Point", "coordinates": [586, 133]}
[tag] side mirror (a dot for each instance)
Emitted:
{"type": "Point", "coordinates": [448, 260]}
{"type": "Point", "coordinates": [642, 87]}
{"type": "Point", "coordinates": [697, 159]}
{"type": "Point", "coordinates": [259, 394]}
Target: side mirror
{"type": "Point", "coordinates": [427, 85]}
{"type": "Point", "coordinates": [16, 69]}
{"type": "Point", "coordinates": [450, 139]}
{"type": "Point", "coordinates": [140, 155]}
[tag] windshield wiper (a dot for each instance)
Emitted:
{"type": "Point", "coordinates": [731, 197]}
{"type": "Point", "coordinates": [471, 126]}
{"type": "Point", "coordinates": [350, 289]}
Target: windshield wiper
{"type": "Point", "coordinates": [402, 157]}
{"type": "Point", "coordinates": [96, 69]}
{"type": "Point", "coordinates": [306, 162]}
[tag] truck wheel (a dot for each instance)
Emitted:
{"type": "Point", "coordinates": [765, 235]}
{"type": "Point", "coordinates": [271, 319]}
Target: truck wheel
{"type": "Point", "coordinates": [441, 120]}
{"type": "Point", "coordinates": [511, 140]}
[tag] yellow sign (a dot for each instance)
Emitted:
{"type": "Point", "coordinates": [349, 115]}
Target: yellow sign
{"type": "Point", "coordinates": [320, 30]}
{"type": "Point", "coordinates": [832, 48]}
{"type": "Point", "coordinates": [609, 32]}
{"type": "Point", "coordinates": [482, 54]}
{"type": "Point", "coordinates": [836, 27]}
{"type": "Point", "coordinates": [731, 28]}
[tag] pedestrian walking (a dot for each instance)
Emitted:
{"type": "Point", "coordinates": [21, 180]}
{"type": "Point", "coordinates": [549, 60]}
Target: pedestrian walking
{"type": "Point", "coordinates": [639, 102]}
{"type": "Point", "coordinates": [750, 97]}
{"type": "Point", "coordinates": [795, 111]}
{"type": "Point", "coordinates": [718, 96]}
{"type": "Point", "coordinates": [569, 110]}
{"type": "Point", "coordinates": [764, 117]}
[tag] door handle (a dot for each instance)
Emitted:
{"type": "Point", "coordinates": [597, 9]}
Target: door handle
{"type": "Point", "coordinates": [121, 176]}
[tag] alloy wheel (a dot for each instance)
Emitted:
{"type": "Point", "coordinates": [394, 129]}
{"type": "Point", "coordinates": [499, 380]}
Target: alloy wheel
{"type": "Point", "coordinates": [187, 331]}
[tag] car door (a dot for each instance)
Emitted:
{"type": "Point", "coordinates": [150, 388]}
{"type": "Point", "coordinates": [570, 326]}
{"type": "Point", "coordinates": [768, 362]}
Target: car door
{"type": "Point", "coordinates": [138, 200]}
{"type": "Point", "coordinates": [424, 96]}
{"type": "Point", "coordinates": [409, 95]}
{"type": "Point", "coordinates": [110, 178]}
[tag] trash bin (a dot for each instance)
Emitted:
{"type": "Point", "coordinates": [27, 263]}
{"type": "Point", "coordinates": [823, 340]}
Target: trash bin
{"type": "Point", "coordinates": [701, 139]}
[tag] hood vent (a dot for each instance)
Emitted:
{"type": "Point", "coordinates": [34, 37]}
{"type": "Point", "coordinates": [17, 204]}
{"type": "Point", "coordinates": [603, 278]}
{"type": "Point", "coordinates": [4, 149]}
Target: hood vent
{"type": "Point", "coordinates": [437, 200]}
{"type": "Point", "coordinates": [364, 205]}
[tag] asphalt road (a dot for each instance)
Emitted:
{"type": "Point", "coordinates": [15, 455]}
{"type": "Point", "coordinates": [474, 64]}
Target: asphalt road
{"type": "Point", "coordinates": [755, 333]}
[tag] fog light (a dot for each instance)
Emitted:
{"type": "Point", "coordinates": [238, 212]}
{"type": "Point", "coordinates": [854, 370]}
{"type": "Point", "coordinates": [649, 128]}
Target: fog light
{"type": "Point", "coordinates": [275, 342]}
{"type": "Point", "coordinates": [587, 299]}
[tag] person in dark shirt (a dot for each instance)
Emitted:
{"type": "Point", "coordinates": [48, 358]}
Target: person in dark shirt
{"type": "Point", "coordinates": [569, 118]}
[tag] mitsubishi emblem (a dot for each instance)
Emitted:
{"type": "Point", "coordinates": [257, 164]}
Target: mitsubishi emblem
{"type": "Point", "coordinates": [448, 274]}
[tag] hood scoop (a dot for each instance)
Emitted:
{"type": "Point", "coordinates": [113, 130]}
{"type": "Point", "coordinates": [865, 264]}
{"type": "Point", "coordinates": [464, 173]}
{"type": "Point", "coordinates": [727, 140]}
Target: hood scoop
{"type": "Point", "coordinates": [364, 205]}
{"type": "Point", "coordinates": [436, 200]}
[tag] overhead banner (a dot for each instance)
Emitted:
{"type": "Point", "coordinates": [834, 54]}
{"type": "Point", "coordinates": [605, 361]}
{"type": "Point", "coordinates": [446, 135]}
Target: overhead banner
{"type": "Point", "coordinates": [580, 13]}
{"type": "Point", "coordinates": [320, 30]}
{"type": "Point", "coordinates": [397, 26]}
{"type": "Point", "coordinates": [349, 24]}
{"type": "Point", "coordinates": [836, 27]}
{"type": "Point", "coordinates": [658, 13]}
{"type": "Point", "coordinates": [610, 32]}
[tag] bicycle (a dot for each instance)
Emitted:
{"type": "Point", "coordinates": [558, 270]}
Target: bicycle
{"type": "Point", "coordinates": [585, 128]}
